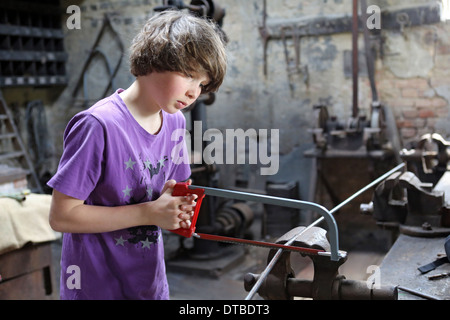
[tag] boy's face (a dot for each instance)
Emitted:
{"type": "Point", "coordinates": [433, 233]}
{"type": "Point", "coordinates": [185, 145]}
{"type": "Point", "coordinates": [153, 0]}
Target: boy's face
{"type": "Point", "coordinates": [173, 91]}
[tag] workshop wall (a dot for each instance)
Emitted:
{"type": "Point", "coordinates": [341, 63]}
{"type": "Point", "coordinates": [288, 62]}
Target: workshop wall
{"type": "Point", "coordinates": [412, 74]}
{"type": "Point", "coordinates": [414, 80]}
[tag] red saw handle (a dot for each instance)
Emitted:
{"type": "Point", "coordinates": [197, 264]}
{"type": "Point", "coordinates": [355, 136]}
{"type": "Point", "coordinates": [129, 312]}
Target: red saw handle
{"type": "Point", "coordinates": [181, 189]}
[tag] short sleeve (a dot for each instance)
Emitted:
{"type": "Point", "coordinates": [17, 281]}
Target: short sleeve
{"type": "Point", "coordinates": [181, 169]}
{"type": "Point", "coordinates": [80, 166]}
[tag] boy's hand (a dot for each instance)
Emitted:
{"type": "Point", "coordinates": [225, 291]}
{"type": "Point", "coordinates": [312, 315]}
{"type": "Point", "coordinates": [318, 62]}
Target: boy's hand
{"type": "Point", "coordinates": [178, 210]}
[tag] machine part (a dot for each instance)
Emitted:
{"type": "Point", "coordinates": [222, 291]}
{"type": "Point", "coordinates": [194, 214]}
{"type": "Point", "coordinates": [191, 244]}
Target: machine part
{"type": "Point", "coordinates": [358, 132]}
{"type": "Point", "coordinates": [421, 201]}
{"type": "Point", "coordinates": [231, 219]}
{"type": "Point", "coordinates": [213, 9]}
{"type": "Point", "coordinates": [327, 284]}
{"type": "Point", "coordinates": [355, 21]}
{"type": "Point", "coordinates": [428, 160]}
{"type": "Point", "coordinates": [321, 117]}
{"type": "Point", "coordinates": [374, 135]}
{"type": "Point", "coordinates": [234, 219]}
{"type": "Point", "coordinates": [277, 220]}
{"type": "Point", "coordinates": [434, 232]}
{"type": "Point", "coordinates": [403, 202]}
{"type": "Point", "coordinates": [389, 201]}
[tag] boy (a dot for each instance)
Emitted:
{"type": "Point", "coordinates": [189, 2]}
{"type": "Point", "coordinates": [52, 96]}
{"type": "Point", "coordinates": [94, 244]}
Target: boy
{"type": "Point", "coordinates": [112, 192]}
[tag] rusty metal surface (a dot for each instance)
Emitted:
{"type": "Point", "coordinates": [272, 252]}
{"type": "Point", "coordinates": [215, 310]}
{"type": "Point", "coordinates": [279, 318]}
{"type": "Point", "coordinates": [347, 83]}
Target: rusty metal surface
{"type": "Point", "coordinates": [406, 255]}
{"type": "Point", "coordinates": [312, 238]}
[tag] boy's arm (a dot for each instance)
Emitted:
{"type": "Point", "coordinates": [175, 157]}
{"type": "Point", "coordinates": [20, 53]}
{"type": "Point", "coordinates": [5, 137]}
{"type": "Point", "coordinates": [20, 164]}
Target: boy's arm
{"type": "Point", "coordinates": [71, 215]}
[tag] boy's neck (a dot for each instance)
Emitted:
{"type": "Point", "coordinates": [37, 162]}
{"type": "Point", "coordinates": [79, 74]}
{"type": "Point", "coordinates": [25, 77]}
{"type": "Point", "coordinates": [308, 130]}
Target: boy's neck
{"type": "Point", "coordinates": [142, 107]}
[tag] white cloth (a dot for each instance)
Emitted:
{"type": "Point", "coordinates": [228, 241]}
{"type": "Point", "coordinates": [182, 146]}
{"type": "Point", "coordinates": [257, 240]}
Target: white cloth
{"type": "Point", "coordinates": [24, 222]}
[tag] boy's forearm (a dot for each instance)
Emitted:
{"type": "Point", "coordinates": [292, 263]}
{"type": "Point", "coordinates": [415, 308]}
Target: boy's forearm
{"type": "Point", "coordinates": [73, 216]}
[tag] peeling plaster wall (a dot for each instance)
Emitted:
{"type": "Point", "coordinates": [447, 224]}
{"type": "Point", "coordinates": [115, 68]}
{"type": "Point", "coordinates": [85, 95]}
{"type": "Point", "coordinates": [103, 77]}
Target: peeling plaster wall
{"type": "Point", "coordinates": [252, 100]}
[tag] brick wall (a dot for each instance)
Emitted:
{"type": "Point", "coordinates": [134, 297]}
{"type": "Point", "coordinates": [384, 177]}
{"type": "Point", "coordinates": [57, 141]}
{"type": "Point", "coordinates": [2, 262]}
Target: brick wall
{"type": "Point", "coordinates": [421, 104]}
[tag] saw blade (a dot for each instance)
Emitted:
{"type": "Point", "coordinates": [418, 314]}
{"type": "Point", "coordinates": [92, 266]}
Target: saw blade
{"type": "Point", "coordinates": [302, 250]}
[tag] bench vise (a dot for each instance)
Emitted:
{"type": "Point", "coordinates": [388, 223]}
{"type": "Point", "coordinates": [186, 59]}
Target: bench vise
{"type": "Point", "coordinates": [327, 284]}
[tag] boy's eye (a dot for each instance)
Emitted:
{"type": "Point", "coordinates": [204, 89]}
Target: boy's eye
{"type": "Point", "coordinates": [203, 87]}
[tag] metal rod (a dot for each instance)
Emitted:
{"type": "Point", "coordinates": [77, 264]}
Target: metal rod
{"type": "Point", "coordinates": [370, 185]}
{"type": "Point", "coordinates": [368, 50]}
{"type": "Point", "coordinates": [419, 294]}
{"type": "Point", "coordinates": [277, 255]}
{"type": "Point", "coordinates": [355, 57]}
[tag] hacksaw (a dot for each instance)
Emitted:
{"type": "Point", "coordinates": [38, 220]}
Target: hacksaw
{"type": "Point", "coordinates": [185, 188]}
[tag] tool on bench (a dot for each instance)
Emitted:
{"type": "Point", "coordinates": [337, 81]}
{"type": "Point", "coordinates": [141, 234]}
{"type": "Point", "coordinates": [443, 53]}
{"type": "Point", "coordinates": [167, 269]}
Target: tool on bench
{"type": "Point", "coordinates": [183, 188]}
{"type": "Point", "coordinates": [439, 276]}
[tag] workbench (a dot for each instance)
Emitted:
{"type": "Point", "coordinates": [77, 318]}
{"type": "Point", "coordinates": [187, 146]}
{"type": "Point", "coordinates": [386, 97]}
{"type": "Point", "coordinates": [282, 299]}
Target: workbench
{"type": "Point", "coordinates": [400, 267]}
{"type": "Point", "coordinates": [26, 271]}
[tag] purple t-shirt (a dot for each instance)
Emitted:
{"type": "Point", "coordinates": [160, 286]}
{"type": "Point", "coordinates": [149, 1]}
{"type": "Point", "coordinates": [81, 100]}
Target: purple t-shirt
{"type": "Point", "coordinates": [110, 160]}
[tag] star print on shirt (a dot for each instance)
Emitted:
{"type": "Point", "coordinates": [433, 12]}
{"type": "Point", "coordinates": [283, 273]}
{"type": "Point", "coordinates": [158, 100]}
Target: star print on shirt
{"type": "Point", "coordinates": [130, 164]}
{"type": "Point", "coordinates": [120, 241]}
{"type": "Point", "coordinates": [147, 164]}
{"type": "Point", "coordinates": [146, 243]}
{"type": "Point", "coordinates": [140, 238]}
{"type": "Point", "coordinates": [126, 192]}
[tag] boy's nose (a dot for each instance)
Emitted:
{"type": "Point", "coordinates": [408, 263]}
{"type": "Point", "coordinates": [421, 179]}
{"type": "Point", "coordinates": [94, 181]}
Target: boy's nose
{"type": "Point", "coordinates": [193, 93]}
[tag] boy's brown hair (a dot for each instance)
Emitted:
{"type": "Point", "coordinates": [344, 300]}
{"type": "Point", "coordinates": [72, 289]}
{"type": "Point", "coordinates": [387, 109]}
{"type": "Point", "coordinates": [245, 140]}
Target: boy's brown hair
{"type": "Point", "coordinates": [180, 42]}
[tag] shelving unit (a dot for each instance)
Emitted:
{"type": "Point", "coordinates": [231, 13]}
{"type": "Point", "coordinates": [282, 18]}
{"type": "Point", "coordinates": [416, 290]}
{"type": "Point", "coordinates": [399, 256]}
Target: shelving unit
{"type": "Point", "coordinates": [31, 44]}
